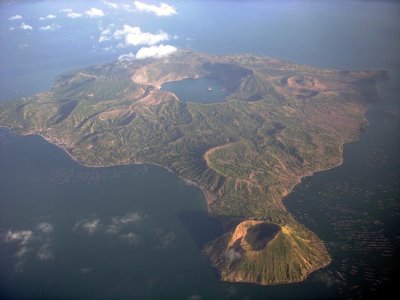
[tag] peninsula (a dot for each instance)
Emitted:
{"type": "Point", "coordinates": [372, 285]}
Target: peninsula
{"type": "Point", "coordinates": [280, 122]}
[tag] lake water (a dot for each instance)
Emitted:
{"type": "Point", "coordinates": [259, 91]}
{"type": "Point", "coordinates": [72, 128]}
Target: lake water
{"type": "Point", "coordinates": [96, 232]}
{"type": "Point", "coordinates": [136, 231]}
{"type": "Point", "coordinates": [202, 90]}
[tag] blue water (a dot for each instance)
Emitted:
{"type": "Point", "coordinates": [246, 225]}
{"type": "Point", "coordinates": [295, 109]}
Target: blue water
{"type": "Point", "coordinates": [202, 90]}
{"type": "Point", "coordinates": [354, 208]}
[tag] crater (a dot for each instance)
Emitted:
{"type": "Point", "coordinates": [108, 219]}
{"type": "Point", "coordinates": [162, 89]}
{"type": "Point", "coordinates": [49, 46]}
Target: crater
{"type": "Point", "coordinates": [302, 87]}
{"type": "Point", "coordinates": [253, 235]}
{"type": "Point", "coordinates": [219, 80]}
{"type": "Point", "coordinates": [231, 76]}
{"type": "Point", "coordinates": [259, 235]}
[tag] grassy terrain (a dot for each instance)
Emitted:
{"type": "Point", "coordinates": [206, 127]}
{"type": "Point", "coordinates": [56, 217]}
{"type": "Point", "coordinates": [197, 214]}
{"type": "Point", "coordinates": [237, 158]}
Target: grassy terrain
{"type": "Point", "coordinates": [281, 122]}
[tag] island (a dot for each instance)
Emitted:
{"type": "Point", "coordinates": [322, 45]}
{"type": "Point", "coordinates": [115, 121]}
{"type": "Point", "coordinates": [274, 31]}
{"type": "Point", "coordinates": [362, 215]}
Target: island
{"type": "Point", "coordinates": [279, 123]}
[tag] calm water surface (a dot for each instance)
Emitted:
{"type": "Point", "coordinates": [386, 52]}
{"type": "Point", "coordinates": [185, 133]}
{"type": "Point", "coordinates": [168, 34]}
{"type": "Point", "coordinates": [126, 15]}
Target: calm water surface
{"type": "Point", "coordinates": [73, 231]}
{"type": "Point", "coordinates": [201, 90]}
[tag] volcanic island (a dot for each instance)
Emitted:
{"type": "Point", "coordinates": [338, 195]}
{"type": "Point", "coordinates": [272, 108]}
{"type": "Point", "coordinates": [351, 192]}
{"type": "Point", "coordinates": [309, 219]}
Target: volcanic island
{"type": "Point", "coordinates": [279, 123]}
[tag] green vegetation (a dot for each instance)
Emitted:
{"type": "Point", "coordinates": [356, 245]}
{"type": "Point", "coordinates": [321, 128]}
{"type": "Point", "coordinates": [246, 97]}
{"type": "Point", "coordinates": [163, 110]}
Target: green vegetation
{"type": "Point", "coordinates": [281, 122]}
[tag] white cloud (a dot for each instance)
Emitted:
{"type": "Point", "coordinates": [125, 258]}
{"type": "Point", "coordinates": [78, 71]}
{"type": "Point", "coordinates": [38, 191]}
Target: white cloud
{"type": "Point", "coordinates": [106, 34]}
{"type": "Point", "coordinates": [167, 239]}
{"type": "Point", "coordinates": [113, 229]}
{"type": "Point", "coordinates": [128, 218]}
{"type": "Point", "coordinates": [90, 225]}
{"type": "Point", "coordinates": [127, 7]}
{"type": "Point", "coordinates": [109, 48]}
{"type": "Point", "coordinates": [111, 4]}
{"type": "Point", "coordinates": [155, 51]}
{"type": "Point", "coordinates": [74, 15]}
{"type": "Point", "coordinates": [26, 242]}
{"type": "Point", "coordinates": [24, 26]}
{"type": "Point", "coordinates": [71, 14]}
{"type": "Point", "coordinates": [45, 252]}
{"type": "Point", "coordinates": [104, 38]}
{"type": "Point", "coordinates": [134, 36]}
{"type": "Point", "coordinates": [162, 10]}
{"type": "Point", "coordinates": [23, 240]}
{"type": "Point", "coordinates": [23, 236]}
{"type": "Point", "coordinates": [94, 12]}
{"type": "Point", "coordinates": [130, 237]}
{"type": "Point", "coordinates": [164, 238]}
{"type": "Point", "coordinates": [127, 57]}
{"type": "Point", "coordinates": [23, 250]}
{"type": "Point", "coordinates": [48, 17]}
{"type": "Point", "coordinates": [118, 222]}
{"type": "Point", "coordinates": [120, 46]}
{"type": "Point", "coordinates": [108, 29]}
{"type": "Point", "coordinates": [16, 17]}
{"type": "Point", "coordinates": [49, 27]}
{"type": "Point", "coordinates": [45, 227]}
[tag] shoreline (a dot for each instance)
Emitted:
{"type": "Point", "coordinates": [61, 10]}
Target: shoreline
{"type": "Point", "coordinates": [206, 192]}
{"type": "Point", "coordinates": [187, 181]}
{"type": "Point", "coordinates": [73, 158]}
{"type": "Point", "coordinates": [82, 164]}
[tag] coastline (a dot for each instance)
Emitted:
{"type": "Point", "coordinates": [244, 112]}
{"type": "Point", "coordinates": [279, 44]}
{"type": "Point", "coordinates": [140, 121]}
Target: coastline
{"type": "Point", "coordinates": [206, 193]}
{"type": "Point", "coordinates": [75, 159]}
{"type": "Point", "coordinates": [209, 196]}
{"type": "Point", "coordinates": [187, 181]}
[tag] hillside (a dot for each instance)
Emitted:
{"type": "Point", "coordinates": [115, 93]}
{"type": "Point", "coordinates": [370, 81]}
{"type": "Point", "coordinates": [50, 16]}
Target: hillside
{"type": "Point", "coordinates": [280, 122]}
